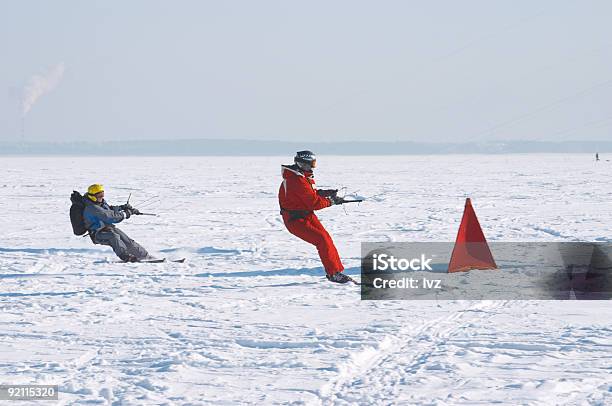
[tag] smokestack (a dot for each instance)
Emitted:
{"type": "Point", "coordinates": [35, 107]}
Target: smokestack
{"type": "Point", "coordinates": [15, 96]}
{"type": "Point", "coordinates": [21, 124]}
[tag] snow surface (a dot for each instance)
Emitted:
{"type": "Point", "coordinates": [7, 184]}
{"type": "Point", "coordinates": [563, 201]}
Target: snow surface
{"type": "Point", "coordinates": [249, 317]}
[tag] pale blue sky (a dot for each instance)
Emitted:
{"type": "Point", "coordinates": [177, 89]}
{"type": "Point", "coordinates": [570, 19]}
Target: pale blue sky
{"type": "Point", "coordinates": [315, 70]}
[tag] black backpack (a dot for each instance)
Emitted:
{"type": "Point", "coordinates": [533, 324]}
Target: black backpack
{"type": "Point", "coordinates": [76, 213]}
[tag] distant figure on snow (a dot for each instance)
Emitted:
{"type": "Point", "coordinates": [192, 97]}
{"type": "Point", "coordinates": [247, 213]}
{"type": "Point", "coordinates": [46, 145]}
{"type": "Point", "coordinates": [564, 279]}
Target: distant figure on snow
{"type": "Point", "coordinates": [100, 219]}
{"type": "Point", "coordinates": [298, 199]}
{"type": "Point", "coordinates": [596, 156]}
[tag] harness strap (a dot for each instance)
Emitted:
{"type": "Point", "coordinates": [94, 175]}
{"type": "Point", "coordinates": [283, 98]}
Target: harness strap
{"type": "Point", "coordinates": [296, 214]}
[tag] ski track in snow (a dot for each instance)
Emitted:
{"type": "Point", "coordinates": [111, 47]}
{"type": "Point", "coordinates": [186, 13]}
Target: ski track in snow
{"type": "Point", "coordinates": [250, 319]}
{"type": "Point", "coordinates": [376, 371]}
{"type": "Point", "coordinates": [395, 369]}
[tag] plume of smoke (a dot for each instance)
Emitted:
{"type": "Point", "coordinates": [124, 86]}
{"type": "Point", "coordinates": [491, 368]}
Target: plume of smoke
{"type": "Point", "coordinates": [39, 85]}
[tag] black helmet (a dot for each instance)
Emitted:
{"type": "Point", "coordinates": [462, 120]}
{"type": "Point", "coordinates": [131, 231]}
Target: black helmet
{"type": "Point", "coordinates": [306, 160]}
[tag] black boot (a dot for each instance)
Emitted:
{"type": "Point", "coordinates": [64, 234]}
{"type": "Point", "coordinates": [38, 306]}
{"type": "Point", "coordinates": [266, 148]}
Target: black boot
{"type": "Point", "coordinates": [339, 277]}
{"type": "Point", "coordinates": [129, 258]}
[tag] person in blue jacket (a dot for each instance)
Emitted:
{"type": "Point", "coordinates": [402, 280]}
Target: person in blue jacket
{"type": "Point", "coordinates": [100, 219]}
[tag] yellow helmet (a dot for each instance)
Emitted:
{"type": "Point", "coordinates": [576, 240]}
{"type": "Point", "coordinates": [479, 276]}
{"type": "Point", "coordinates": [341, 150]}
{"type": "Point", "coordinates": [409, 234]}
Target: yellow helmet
{"type": "Point", "coordinates": [93, 189]}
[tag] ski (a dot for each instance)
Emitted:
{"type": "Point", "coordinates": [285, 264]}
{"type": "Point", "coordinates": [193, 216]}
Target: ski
{"type": "Point", "coordinates": [160, 260]}
{"type": "Point", "coordinates": [360, 283]}
{"type": "Point", "coordinates": [151, 261]}
{"type": "Point", "coordinates": [353, 280]}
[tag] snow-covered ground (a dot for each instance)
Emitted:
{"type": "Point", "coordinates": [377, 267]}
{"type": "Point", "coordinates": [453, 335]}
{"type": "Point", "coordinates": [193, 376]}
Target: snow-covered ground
{"type": "Point", "coordinates": [249, 317]}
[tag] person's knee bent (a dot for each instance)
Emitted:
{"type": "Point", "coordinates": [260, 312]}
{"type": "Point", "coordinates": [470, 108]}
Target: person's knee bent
{"type": "Point", "coordinates": [107, 238]}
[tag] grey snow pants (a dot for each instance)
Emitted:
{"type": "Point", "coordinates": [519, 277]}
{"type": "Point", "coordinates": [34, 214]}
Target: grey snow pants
{"type": "Point", "coordinates": [125, 248]}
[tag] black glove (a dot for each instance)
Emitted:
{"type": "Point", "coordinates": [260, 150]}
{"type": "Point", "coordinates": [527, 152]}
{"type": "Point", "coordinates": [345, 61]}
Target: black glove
{"type": "Point", "coordinates": [128, 212]}
{"type": "Point", "coordinates": [336, 200]}
{"type": "Point", "coordinates": [126, 206]}
{"type": "Point", "coordinates": [327, 192]}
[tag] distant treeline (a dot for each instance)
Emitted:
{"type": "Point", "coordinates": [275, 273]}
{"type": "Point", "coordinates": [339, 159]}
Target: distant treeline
{"type": "Point", "coordinates": [251, 147]}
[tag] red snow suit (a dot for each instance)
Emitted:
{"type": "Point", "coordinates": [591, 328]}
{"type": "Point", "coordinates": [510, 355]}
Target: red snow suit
{"type": "Point", "coordinates": [298, 200]}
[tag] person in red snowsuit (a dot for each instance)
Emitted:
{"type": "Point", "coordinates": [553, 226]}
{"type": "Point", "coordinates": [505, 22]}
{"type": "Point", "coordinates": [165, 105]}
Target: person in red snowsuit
{"type": "Point", "coordinates": [298, 199]}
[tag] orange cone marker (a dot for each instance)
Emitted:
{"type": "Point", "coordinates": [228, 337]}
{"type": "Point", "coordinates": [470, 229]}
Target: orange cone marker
{"type": "Point", "coordinates": [471, 250]}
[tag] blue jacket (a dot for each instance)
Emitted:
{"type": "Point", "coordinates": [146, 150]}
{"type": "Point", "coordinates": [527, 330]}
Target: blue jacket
{"type": "Point", "coordinates": [100, 215]}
